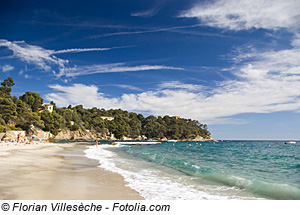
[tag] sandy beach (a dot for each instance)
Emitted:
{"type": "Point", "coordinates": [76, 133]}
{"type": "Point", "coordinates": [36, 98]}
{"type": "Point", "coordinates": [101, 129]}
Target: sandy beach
{"type": "Point", "coordinates": [57, 172]}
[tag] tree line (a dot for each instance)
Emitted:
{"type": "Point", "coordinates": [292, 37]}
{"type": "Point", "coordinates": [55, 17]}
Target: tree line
{"type": "Point", "coordinates": [21, 113]}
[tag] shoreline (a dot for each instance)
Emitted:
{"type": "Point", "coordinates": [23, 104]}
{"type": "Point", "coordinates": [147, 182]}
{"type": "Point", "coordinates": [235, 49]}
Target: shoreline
{"type": "Point", "coordinates": [57, 172]}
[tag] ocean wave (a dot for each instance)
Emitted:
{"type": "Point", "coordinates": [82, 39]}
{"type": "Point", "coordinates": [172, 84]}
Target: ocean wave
{"type": "Point", "coordinates": [275, 190]}
{"type": "Point", "coordinates": [259, 187]}
{"type": "Point", "coordinates": [150, 183]}
{"type": "Point", "coordinates": [145, 171]}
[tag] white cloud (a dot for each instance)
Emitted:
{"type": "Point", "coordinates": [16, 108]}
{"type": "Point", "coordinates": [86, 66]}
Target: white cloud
{"type": "Point", "coordinates": [145, 14]}
{"type": "Point", "coordinates": [6, 68]}
{"type": "Point", "coordinates": [130, 87]}
{"type": "Point", "coordinates": [245, 14]}
{"type": "Point", "coordinates": [180, 85]}
{"type": "Point", "coordinates": [77, 50]}
{"type": "Point", "coordinates": [151, 12]}
{"type": "Point", "coordinates": [46, 60]}
{"type": "Point", "coordinates": [282, 62]}
{"type": "Point", "coordinates": [79, 94]}
{"type": "Point", "coordinates": [175, 29]}
{"type": "Point", "coordinates": [38, 56]}
{"type": "Point", "coordinates": [80, 50]}
{"type": "Point", "coordinates": [110, 68]}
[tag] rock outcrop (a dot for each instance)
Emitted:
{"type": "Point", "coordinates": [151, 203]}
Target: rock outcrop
{"type": "Point", "coordinates": [75, 135]}
{"type": "Point", "coordinates": [88, 135]}
{"type": "Point", "coordinates": [199, 138]}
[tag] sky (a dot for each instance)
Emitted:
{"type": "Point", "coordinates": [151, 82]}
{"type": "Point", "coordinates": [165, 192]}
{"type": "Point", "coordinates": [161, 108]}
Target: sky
{"type": "Point", "coordinates": [233, 65]}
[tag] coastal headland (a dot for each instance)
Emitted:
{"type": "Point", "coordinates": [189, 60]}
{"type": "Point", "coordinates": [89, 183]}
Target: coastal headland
{"type": "Point", "coordinates": [57, 171]}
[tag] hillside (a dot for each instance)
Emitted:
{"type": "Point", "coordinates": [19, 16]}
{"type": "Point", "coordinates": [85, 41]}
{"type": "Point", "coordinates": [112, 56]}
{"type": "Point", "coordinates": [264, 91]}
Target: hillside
{"type": "Point", "coordinates": [77, 122]}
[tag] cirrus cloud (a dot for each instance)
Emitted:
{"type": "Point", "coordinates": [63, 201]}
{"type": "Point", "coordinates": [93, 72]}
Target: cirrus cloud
{"type": "Point", "coordinates": [110, 68]}
{"type": "Point", "coordinates": [46, 60]}
{"type": "Point", "coordinates": [31, 54]}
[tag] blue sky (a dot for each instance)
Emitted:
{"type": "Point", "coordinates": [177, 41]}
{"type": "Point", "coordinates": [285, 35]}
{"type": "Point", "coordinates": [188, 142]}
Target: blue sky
{"type": "Point", "coordinates": [233, 65]}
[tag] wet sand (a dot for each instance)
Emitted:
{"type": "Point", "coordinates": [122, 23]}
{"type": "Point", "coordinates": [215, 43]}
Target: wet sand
{"type": "Point", "coordinates": [57, 172]}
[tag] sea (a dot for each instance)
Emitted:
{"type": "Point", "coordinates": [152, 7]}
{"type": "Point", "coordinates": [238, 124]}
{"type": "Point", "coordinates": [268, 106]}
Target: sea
{"type": "Point", "coordinates": [205, 170]}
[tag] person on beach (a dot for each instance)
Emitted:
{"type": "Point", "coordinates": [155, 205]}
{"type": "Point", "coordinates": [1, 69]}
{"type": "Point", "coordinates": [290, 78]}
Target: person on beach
{"type": "Point", "coordinates": [19, 137]}
{"type": "Point", "coordinates": [96, 143]}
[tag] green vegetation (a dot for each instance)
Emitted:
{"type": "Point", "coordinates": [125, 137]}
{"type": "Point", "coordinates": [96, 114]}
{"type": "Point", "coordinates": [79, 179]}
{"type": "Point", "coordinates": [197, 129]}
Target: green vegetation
{"type": "Point", "coordinates": [21, 113]}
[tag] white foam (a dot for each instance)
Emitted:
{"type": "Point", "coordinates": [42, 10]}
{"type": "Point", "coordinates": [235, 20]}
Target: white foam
{"type": "Point", "coordinates": [151, 183]}
{"type": "Point", "coordinates": [196, 167]}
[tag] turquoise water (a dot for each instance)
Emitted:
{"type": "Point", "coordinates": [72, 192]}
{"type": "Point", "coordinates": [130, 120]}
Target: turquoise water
{"type": "Point", "coordinates": [208, 170]}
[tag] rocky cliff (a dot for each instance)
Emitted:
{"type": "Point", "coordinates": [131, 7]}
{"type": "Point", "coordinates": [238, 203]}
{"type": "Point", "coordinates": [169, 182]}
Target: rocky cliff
{"type": "Point", "coordinates": [88, 135]}
{"type": "Point", "coordinates": [74, 135]}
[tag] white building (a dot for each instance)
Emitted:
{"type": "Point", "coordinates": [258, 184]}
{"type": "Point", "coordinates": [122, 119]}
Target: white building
{"type": "Point", "coordinates": [48, 107]}
{"type": "Point", "coordinates": [107, 118]}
